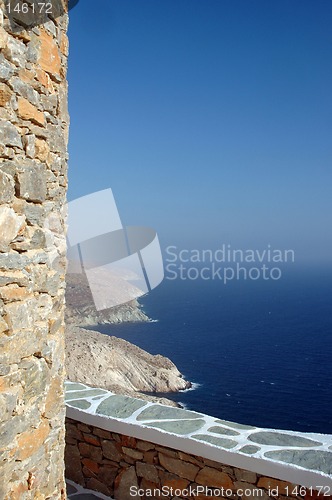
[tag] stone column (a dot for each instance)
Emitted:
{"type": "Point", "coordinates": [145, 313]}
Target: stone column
{"type": "Point", "coordinates": [33, 181]}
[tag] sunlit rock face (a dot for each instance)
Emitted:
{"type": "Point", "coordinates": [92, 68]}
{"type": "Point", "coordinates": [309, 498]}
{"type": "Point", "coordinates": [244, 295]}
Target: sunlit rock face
{"type": "Point", "coordinates": [81, 310]}
{"type": "Point", "coordinates": [112, 363]}
{"type": "Point", "coordinates": [106, 361]}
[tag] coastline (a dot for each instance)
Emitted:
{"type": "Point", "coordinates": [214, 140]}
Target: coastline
{"type": "Point", "coordinates": [106, 361]}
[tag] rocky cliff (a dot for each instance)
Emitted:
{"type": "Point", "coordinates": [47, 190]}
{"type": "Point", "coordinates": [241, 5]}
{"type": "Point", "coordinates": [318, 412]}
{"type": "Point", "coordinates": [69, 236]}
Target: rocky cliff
{"type": "Point", "coordinates": [114, 364]}
{"type": "Point", "coordinates": [80, 310]}
{"type": "Point", "coordinates": [109, 362]}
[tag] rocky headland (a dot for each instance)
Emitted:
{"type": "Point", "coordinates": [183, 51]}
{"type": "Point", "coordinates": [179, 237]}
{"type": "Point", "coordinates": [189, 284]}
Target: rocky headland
{"type": "Point", "coordinates": [109, 362]}
{"type": "Point", "coordinates": [80, 309]}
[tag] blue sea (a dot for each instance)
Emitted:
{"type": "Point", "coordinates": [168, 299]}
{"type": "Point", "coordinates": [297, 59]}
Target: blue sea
{"type": "Point", "coordinates": [258, 352]}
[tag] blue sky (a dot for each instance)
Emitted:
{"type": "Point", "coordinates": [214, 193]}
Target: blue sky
{"type": "Point", "coordinates": [209, 119]}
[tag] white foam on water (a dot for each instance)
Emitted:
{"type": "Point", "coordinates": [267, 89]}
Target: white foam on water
{"type": "Point", "coordinates": [194, 386]}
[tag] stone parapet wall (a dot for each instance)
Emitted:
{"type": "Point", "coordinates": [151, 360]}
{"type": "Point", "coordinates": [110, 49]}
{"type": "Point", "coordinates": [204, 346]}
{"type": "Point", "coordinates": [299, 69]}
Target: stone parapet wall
{"type": "Point", "coordinates": [33, 181]}
{"type": "Point", "coordinates": [124, 468]}
{"type": "Point", "coordinates": [299, 458]}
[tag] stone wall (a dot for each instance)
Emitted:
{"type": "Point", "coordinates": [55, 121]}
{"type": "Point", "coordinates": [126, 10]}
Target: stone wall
{"type": "Point", "coordinates": [119, 466]}
{"type": "Point", "coordinates": [33, 181]}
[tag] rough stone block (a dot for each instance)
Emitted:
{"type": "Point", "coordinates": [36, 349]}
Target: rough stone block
{"type": "Point", "coordinates": [5, 94]}
{"type": "Point", "coordinates": [128, 441]}
{"type": "Point", "coordinates": [91, 465]}
{"type": "Point", "coordinates": [282, 487]}
{"type": "Point", "coordinates": [84, 449]}
{"type": "Point", "coordinates": [126, 461]}
{"type": "Point", "coordinates": [25, 90]}
{"type": "Point", "coordinates": [19, 315]}
{"type": "Point", "coordinates": [33, 48]}
{"type": "Point", "coordinates": [83, 428]}
{"type": "Point", "coordinates": [91, 440]}
{"type": "Point", "coordinates": [168, 452]}
{"type": "Point", "coordinates": [8, 402]}
{"type": "Point", "coordinates": [32, 182]}
{"type": "Point", "coordinates": [251, 492]}
{"type": "Point", "coordinates": [28, 111]}
{"type": "Point", "coordinates": [64, 44]}
{"type": "Point", "coordinates": [172, 481]}
{"type": "Point", "coordinates": [107, 475]}
{"type": "Point", "coordinates": [50, 103]}
{"type": "Point", "coordinates": [213, 464]}
{"type": "Point", "coordinates": [15, 51]}
{"type": "Point", "coordinates": [149, 487]}
{"type": "Point", "coordinates": [213, 478]}
{"type": "Point", "coordinates": [135, 454]}
{"type": "Point", "coordinates": [6, 153]}
{"type": "Point", "coordinates": [35, 214]}
{"type": "Point", "coordinates": [87, 473]}
{"type": "Point", "coordinates": [246, 475]}
{"type": "Point", "coordinates": [151, 457]}
{"type": "Point", "coordinates": [10, 261]}
{"type": "Point", "coordinates": [6, 69]}
{"type": "Point", "coordinates": [14, 277]}
{"type": "Point", "coordinates": [49, 56]}
{"type": "Point", "coordinates": [35, 377]}
{"type": "Point", "coordinates": [9, 429]}
{"type": "Point", "coordinates": [29, 142]}
{"type": "Point", "coordinates": [45, 80]}
{"type": "Point", "coordinates": [9, 135]}
{"type": "Point", "coordinates": [42, 150]}
{"type": "Point", "coordinates": [3, 38]}
{"type": "Point", "coordinates": [145, 446]}
{"type": "Point", "coordinates": [147, 471]}
{"type": "Point", "coordinates": [18, 489]}
{"type": "Point", "coordinates": [54, 396]}
{"type": "Point", "coordinates": [96, 485]}
{"type": "Point", "coordinates": [56, 139]}
{"type": "Point", "coordinates": [110, 451]}
{"type": "Point", "coordinates": [39, 131]}
{"type": "Point", "coordinates": [183, 469]}
{"type": "Point", "coordinates": [30, 441]}
{"type": "Point", "coordinates": [3, 326]}
{"type": "Point", "coordinates": [73, 432]}
{"type": "Point", "coordinates": [73, 464]}
{"type": "Point", "coordinates": [116, 437]}
{"type": "Point", "coordinates": [188, 458]}
{"type": "Point", "coordinates": [28, 76]}
{"type": "Point", "coordinates": [7, 188]}
{"type": "Point", "coordinates": [13, 292]}
{"type": "Point", "coordinates": [123, 482]}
